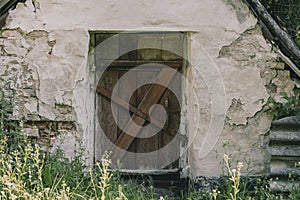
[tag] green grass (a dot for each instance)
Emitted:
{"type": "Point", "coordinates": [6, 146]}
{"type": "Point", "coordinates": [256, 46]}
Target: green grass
{"type": "Point", "coordinates": [28, 173]}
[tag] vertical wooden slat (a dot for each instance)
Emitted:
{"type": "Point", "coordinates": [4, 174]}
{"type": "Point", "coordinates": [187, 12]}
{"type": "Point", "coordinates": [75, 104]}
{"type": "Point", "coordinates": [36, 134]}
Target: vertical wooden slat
{"type": "Point", "coordinates": [171, 103]}
{"type": "Point", "coordinates": [105, 117]}
{"type": "Point", "coordinates": [175, 115]}
{"type": "Point", "coordinates": [172, 46]}
{"type": "Point", "coordinates": [146, 145]}
{"type": "Point", "coordinates": [127, 84]}
{"type": "Point", "coordinates": [151, 46]}
{"type": "Point", "coordinates": [128, 42]}
{"type": "Point", "coordinates": [109, 50]}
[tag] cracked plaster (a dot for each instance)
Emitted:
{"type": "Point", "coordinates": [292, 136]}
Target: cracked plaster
{"type": "Point", "coordinates": [44, 50]}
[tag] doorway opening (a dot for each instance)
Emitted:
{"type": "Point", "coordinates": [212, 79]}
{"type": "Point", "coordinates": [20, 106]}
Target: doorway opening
{"type": "Point", "coordinates": [139, 99]}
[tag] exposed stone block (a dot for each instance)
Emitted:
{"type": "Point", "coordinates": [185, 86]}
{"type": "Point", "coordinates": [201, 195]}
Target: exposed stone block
{"type": "Point", "coordinates": [277, 65]}
{"type": "Point", "coordinates": [32, 132]}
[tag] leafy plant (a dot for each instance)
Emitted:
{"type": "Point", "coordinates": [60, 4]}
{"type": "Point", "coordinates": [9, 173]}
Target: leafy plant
{"type": "Point", "coordinates": [289, 107]}
{"type": "Point", "coordinates": [27, 172]}
{"type": "Point", "coordinates": [234, 177]}
{"type": "Point", "coordinates": [298, 36]}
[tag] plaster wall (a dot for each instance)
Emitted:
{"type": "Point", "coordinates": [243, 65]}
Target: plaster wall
{"type": "Point", "coordinates": [44, 56]}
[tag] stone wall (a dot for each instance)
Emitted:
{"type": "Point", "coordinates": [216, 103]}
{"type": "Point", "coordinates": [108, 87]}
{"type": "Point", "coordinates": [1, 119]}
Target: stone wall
{"type": "Point", "coordinates": [44, 56]}
{"type": "Point", "coordinates": [45, 72]}
{"type": "Point", "coordinates": [252, 74]}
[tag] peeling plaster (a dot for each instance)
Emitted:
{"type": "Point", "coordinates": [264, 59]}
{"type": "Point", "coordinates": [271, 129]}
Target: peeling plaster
{"type": "Point", "coordinates": [248, 68]}
{"type": "Point", "coordinates": [241, 10]}
{"type": "Point", "coordinates": [168, 15]}
{"type": "Point", "coordinates": [44, 54]}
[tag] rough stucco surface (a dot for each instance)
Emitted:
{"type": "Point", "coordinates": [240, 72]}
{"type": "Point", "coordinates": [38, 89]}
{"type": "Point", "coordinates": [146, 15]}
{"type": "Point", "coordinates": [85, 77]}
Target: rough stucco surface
{"type": "Point", "coordinates": [46, 70]}
{"type": "Point", "coordinates": [44, 51]}
{"type": "Point", "coordinates": [251, 75]}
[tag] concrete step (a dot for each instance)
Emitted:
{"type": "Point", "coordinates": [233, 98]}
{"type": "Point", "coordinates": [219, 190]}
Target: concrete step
{"type": "Point", "coordinates": [165, 182]}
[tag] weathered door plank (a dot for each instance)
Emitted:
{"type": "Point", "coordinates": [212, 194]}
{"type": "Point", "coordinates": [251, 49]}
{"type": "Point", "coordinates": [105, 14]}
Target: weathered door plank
{"type": "Point", "coordinates": [127, 84]}
{"type": "Point", "coordinates": [106, 93]}
{"type": "Point", "coordinates": [152, 97]}
{"type": "Point", "coordinates": [104, 113]}
{"type": "Point", "coordinates": [149, 143]}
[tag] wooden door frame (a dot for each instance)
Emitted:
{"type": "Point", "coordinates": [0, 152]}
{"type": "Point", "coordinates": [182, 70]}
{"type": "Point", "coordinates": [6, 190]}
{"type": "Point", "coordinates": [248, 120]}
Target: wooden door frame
{"type": "Point", "coordinates": [183, 159]}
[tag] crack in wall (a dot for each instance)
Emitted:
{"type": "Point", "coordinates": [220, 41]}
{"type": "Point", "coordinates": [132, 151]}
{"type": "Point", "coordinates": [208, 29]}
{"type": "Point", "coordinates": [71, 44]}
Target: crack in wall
{"type": "Point", "coordinates": [250, 134]}
{"type": "Point", "coordinates": [54, 58]}
{"type": "Point", "coordinates": [28, 77]}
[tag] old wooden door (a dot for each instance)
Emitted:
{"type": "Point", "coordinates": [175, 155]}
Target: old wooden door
{"type": "Point", "coordinates": [134, 98]}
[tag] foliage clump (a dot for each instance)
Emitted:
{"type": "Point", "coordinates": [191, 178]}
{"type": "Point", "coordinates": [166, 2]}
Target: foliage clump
{"type": "Point", "coordinates": [289, 106]}
{"type": "Point", "coordinates": [28, 173]}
